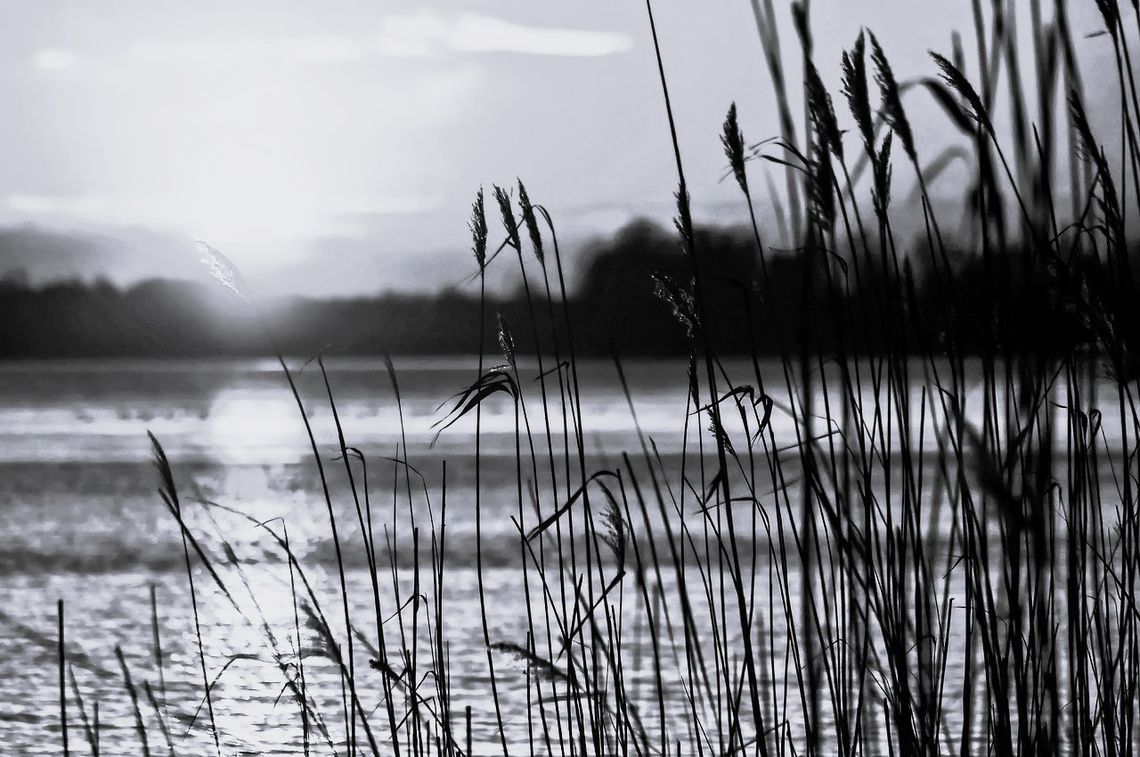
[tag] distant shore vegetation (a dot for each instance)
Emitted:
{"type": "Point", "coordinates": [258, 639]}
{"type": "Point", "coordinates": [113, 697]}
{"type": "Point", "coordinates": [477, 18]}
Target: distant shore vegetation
{"type": "Point", "coordinates": [631, 294]}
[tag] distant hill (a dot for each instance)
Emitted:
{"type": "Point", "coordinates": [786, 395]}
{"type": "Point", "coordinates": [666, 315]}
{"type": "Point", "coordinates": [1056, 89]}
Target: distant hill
{"type": "Point", "coordinates": [634, 297]}
{"type": "Point", "coordinates": [37, 256]}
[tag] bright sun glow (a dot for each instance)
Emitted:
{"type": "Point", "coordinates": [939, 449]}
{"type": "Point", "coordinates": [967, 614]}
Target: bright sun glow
{"type": "Point", "coordinates": [248, 426]}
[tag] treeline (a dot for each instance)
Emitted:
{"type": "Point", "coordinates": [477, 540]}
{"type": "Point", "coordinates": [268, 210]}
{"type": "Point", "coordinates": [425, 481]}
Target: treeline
{"type": "Point", "coordinates": [634, 297]}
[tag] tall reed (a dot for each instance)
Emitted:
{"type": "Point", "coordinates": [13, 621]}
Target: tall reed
{"type": "Point", "coordinates": [911, 530]}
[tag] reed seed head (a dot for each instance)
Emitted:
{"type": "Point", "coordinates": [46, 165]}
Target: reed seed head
{"type": "Point", "coordinates": [507, 212]}
{"type": "Point", "coordinates": [893, 111]}
{"type": "Point", "coordinates": [1110, 13]}
{"type": "Point", "coordinates": [958, 82]}
{"type": "Point", "coordinates": [881, 194]}
{"type": "Point", "coordinates": [506, 341]}
{"type": "Point", "coordinates": [822, 112]}
{"type": "Point", "coordinates": [531, 222]}
{"type": "Point", "coordinates": [855, 90]}
{"type": "Point", "coordinates": [222, 270]}
{"type": "Point", "coordinates": [478, 226]}
{"type": "Point", "coordinates": [733, 140]}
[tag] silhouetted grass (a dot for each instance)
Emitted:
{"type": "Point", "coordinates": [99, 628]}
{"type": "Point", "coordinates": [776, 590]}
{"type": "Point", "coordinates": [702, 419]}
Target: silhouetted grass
{"type": "Point", "coordinates": [945, 557]}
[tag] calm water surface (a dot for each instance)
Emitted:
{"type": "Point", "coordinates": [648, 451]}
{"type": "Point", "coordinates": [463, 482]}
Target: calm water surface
{"type": "Point", "coordinates": [81, 520]}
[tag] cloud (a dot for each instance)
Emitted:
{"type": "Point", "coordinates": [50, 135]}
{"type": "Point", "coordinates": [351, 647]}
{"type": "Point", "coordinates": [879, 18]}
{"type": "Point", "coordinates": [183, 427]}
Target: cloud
{"type": "Point", "coordinates": [427, 34]}
{"type": "Point", "coordinates": [226, 52]}
{"type": "Point", "coordinates": [54, 59]}
{"type": "Point", "coordinates": [281, 218]}
{"type": "Point", "coordinates": [473, 33]}
{"type": "Point", "coordinates": [50, 205]}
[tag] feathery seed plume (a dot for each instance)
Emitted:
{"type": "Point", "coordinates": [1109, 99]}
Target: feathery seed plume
{"type": "Point", "coordinates": [510, 225]}
{"type": "Point", "coordinates": [892, 101]}
{"type": "Point", "coordinates": [733, 140]}
{"type": "Point", "coordinates": [478, 226]}
{"type": "Point", "coordinates": [531, 222]}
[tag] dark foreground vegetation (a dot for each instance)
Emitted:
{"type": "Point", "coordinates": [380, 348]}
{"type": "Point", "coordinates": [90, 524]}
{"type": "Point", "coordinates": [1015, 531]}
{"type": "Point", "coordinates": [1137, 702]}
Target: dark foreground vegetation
{"type": "Point", "coordinates": [946, 559]}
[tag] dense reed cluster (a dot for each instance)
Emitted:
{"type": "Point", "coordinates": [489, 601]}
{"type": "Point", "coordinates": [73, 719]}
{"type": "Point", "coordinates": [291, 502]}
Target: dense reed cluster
{"type": "Point", "coordinates": [943, 559]}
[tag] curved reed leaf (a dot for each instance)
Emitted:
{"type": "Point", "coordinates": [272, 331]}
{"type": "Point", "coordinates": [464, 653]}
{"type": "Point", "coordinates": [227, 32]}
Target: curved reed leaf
{"type": "Point", "coordinates": [496, 380]}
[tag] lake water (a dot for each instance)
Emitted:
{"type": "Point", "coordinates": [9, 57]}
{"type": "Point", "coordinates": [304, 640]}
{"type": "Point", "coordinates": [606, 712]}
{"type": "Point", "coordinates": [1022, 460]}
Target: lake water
{"type": "Point", "coordinates": [81, 520]}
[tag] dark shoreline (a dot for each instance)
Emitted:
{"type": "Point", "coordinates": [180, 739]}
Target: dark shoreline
{"type": "Point", "coordinates": [630, 301]}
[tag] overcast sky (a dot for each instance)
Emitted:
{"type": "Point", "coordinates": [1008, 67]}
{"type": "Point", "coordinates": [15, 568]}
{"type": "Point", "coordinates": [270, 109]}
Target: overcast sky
{"type": "Point", "coordinates": [335, 146]}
